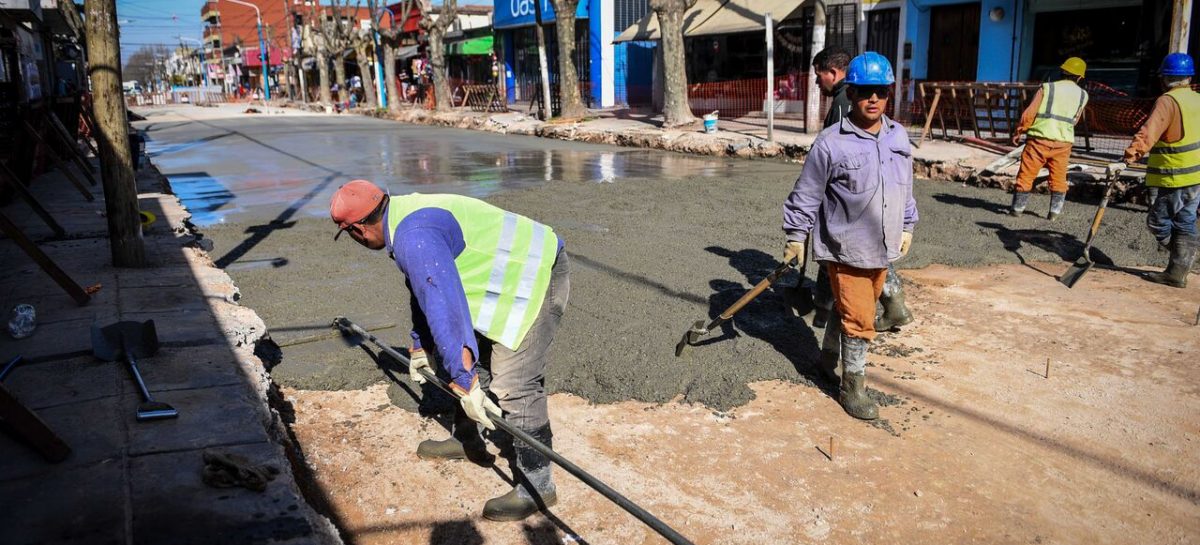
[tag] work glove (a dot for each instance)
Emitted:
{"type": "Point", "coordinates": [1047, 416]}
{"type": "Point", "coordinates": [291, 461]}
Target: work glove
{"type": "Point", "coordinates": [417, 360]}
{"type": "Point", "coordinates": [794, 250]}
{"type": "Point", "coordinates": [476, 404]}
{"type": "Point", "coordinates": [1016, 139]}
{"type": "Point", "coordinates": [905, 243]}
{"type": "Point", "coordinates": [1115, 169]}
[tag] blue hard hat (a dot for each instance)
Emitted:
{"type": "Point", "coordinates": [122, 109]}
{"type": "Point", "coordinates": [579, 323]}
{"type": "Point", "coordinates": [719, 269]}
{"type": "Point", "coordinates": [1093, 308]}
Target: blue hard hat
{"type": "Point", "coordinates": [870, 68]}
{"type": "Point", "coordinates": [1178, 64]}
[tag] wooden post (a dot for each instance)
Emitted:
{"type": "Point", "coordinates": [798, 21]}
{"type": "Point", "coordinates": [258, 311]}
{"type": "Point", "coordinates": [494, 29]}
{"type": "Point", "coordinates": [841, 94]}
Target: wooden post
{"type": "Point", "coordinates": [11, 230]}
{"type": "Point", "coordinates": [116, 160]}
{"type": "Point", "coordinates": [27, 425]}
{"type": "Point", "coordinates": [937, 97]}
{"type": "Point", "coordinates": [1181, 23]}
{"type": "Point", "coordinates": [37, 207]}
{"type": "Point", "coordinates": [62, 163]}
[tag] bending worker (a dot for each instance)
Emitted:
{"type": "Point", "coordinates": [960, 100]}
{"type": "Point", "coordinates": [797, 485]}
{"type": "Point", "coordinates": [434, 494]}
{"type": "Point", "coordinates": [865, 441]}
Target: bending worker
{"type": "Point", "coordinates": [1172, 136]}
{"type": "Point", "coordinates": [482, 281]}
{"type": "Point", "coordinates": [830, 67]}
{"type": "Point", "coordinates": [1049, 124]}
{"type": "Point", "coordinates": [854, 199]}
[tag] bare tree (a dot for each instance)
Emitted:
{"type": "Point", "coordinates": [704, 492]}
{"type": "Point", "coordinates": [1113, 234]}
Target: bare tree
{"type": "Point", "coordinates": [389, 40]}
{"type": "Point", "coordinates": [436, 29]}
{"type": "Point", "coordinates": [547, 111]}
{"type": "Point", "coordinates": [364, 50]}
{"type": "Point", "coordinates": [335, 35]}
{"type": "Point", "coordinates": [676, 110]}
{"type": "Point", "coordinates": [568, 76]}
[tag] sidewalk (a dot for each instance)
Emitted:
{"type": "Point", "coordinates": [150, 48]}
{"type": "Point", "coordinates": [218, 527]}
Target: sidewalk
{"type": "Point", "coordinates": [127, 481]}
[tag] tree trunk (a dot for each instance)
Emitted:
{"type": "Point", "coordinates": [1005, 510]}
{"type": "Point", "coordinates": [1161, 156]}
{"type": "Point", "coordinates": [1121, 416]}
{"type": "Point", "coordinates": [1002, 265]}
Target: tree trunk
{"type": "Point", "coordinates": [544, 68]}
{"type": "Point", "coordinates": [116, 159]}
{"type": "Point", "coordinates": [365, 50]}
{"type": "Point", "coordinates": [339, 72]}
{"type": "Point", "coordinates": [323, 75]}
{"type": "Point", "coordinates": [676, 110]}
{"type": "Point", "coordinates": [437, 62]}
{"type": "Point", "coordinates": [389, 76]}
{"type": "Point", "coordinates": [568, 76]}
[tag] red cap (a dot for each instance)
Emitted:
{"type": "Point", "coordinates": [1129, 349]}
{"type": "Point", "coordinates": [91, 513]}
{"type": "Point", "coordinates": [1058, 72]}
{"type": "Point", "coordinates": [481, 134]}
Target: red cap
{"type": "Point", "coordinates": [352, 203]}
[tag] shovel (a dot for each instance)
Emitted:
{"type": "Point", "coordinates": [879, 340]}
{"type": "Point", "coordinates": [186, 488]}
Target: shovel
{"type": "Point", "coordinates": [1084, 263]}
{"type": "Point", "coordinates": [699, 329]}
{"type": "Point", "coordinates": [130, 340]}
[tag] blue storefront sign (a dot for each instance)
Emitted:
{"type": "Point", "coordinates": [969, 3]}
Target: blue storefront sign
{"type": "Point", "coordinates": [519, 13]}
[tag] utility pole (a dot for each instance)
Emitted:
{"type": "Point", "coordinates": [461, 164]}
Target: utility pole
{"type": "Point", "coordinates": [116, 159]}
{"type": "Point", "coordinates": [262, 50]}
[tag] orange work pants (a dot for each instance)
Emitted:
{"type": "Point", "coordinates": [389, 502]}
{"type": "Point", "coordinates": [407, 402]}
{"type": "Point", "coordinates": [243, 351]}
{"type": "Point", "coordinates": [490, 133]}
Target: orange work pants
{"type": "Point", "coordinates": [1051, 154]}
{"type": "Point", "coordinates": [854, 294]}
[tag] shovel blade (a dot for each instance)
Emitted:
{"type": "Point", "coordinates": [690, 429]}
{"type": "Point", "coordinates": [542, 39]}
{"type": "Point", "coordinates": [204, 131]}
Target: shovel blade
{"type": "Point", "coordinates": [690, 337]}
{"type": "Point", "coordinates": [111, 342]}
{"type": "Point", "coordinates": [1075, 272]}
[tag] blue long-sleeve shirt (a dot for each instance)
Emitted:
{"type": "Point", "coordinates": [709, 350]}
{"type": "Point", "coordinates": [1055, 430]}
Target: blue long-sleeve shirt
{"type": "Point", "coordinates": [424, 246]}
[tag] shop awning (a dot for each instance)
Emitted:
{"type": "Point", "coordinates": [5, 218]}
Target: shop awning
{"type": "Point", "coordinates": [745, 16]}
{"type": "Point", "coordinates": [476, 46]}
{"type": "Point", "coordinates": [709, 17]}
{"type": "Point", "coordinates": [647, 27]}
{"type": "Point", "coordinates": [406, 52]}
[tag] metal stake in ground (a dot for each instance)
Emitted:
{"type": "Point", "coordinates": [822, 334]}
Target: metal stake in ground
{"type": "Point", "coordinates": [699, 329]}
{"type": "Point", "coordinates": [349, 327]}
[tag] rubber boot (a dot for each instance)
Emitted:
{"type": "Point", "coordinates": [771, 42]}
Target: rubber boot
{"type": "Point", "coordinates": [822, 299]}
{"type": "Point", "coordinates": [464, 443]}
{"type": "Point", "coordinates": [853, 396]}
{"type": "Point", "coordinates": [831, 349]}
{"type": "Point", "coordinates": [1019, 202]}
{"type": "Point", "coordinates": [892, 312]}
{"type": "Point", "coordinates": [534, 488]}
{"type": "Point", "coordinates": [1183, 256]}
{"type": "Point", "coordinates": [1057, 200]}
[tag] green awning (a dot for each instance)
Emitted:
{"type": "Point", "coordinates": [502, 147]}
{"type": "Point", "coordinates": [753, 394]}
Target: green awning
{"type": "Point", "coordinates": [474, 46]}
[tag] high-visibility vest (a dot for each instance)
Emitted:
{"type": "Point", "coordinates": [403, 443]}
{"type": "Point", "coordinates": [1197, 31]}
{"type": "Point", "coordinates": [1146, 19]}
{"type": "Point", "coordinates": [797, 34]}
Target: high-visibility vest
{"type": "Point", "coordinates": [1178, 164]}
{"type": "Point", "coordinates": [1061, 103]}
{"type": "Point", "coordinates": [505, 267]}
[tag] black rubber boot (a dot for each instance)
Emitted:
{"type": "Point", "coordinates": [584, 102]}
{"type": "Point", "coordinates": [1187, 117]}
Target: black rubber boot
{"type": "Point", "coordinates": [534, 490]}
{"type": "Point", "coordinates": [1183, 256]}
{"type": "Point", "coordinates": [822, 299]}
{"type": "Point", "coordinates": [853, 396]}
{"type": "Point", "coordinates": [464, 444]}
{"type": "Point", "coordinates": [1019, 202]}
{"type": "Point", "coordinates": [831, 349]}
{"type": "Point", "coordinates": [1057, 200]}
{"type": "Point", "coordinates": [892, 312]}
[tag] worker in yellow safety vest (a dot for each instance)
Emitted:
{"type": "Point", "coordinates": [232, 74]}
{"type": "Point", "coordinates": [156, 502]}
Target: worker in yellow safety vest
{"type": "Point", "coordinates": [488, 288]}
{"type": "Point", "coordinates": [1049, 125]}
{"type": "Point", "coordinates": [1171, 135]}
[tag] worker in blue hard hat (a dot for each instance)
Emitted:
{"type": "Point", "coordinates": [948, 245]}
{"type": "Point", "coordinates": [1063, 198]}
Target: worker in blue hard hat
{"type": "Point", "coordinates": [1049, 125]}
{"type": "Point", "coordinates": [854, 200]}
{"type": "Point", "coordinates": [1171, 135]}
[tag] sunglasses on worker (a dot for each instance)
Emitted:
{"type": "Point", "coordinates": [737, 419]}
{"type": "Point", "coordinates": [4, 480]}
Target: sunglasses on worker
{"type": "Point", "coordinates": [863, 92]}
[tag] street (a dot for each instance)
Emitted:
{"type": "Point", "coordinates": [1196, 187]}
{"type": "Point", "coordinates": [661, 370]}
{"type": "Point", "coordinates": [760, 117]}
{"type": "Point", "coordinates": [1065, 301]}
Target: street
{"type": "Point", "coordinates": [729, 443]}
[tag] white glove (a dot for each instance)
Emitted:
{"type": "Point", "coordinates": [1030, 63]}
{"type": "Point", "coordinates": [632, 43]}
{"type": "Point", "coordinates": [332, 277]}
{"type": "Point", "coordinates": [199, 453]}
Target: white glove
{"type": "Point", "coordinates": [905, 243]}
{"type": "Point", "coordinates": [477, 404]}
{"type": "Point", "coordinates": [1115, 169]}
{"type": "Point", "coordinates": [417, 360]}
{"type": "Point", "coordinates": [794, 250]}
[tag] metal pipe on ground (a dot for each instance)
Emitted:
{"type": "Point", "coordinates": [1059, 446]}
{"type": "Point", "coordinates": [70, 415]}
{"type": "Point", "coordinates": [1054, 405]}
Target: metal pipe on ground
{"type": "Point", "coordinates": [348, 327]}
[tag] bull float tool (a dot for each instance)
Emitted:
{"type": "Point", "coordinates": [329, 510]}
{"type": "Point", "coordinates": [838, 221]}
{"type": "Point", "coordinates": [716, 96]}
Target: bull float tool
{"type": "Point", "coordinates": [698, 329]}
{"type": "Point", "coordinates": [348, 327]}
{"type": "Point", "coordinates": [1084, 263]}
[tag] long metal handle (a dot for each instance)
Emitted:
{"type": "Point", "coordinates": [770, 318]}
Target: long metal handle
{"type": "Point", "coordinates": [137, 376]}
{"type": "Point", "coordinates": [657, 525]}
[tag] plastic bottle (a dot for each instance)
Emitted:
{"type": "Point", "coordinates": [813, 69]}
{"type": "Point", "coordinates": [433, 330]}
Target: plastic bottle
{"type": "Point", "coordinates": [22, 321]}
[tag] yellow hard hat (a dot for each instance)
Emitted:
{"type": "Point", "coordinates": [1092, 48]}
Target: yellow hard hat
{"type": "Point", "coordinates": [1075, 66]}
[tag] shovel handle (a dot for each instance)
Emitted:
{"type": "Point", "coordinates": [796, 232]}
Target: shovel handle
{"type": "Point", "coordinates": [1112, 183]}
{"type": "Point", "coordinates": [755, 291]}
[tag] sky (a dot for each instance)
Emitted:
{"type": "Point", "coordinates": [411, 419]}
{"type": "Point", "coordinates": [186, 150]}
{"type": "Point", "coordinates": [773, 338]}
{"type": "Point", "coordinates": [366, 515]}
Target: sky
{"type": "Point", "coordinates": [148, 22]}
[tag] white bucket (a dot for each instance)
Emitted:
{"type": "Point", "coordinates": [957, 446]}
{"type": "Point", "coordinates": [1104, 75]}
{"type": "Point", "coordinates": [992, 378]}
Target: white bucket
{"type": "Point", "coordinates": [710, 123]}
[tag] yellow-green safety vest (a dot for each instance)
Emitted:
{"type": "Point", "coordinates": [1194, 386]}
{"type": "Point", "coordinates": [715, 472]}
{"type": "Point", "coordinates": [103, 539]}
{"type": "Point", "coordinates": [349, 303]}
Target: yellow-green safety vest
{"type": "Point", "coordinates": [1177, 164]}
{"type": "Point", "coordinates": [505, 267]}
{"type": "Point", "coordinates": [1061, 103]}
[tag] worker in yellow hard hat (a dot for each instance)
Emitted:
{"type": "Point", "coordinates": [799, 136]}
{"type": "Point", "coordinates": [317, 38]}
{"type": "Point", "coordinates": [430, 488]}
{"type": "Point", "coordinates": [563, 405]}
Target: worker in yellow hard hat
{"type": "Point", "coordinates": [1049, 123]}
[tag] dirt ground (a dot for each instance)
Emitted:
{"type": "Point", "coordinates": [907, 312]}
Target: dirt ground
{"type": "Point", "coordinates": [730, 443]}
{"type": "Point", "coordinates": [983, 447]}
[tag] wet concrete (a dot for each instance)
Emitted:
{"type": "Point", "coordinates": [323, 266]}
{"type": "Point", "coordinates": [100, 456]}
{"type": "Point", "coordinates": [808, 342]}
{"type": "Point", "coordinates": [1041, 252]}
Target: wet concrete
{"type": "Point", "coordinates": [676, 239]}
